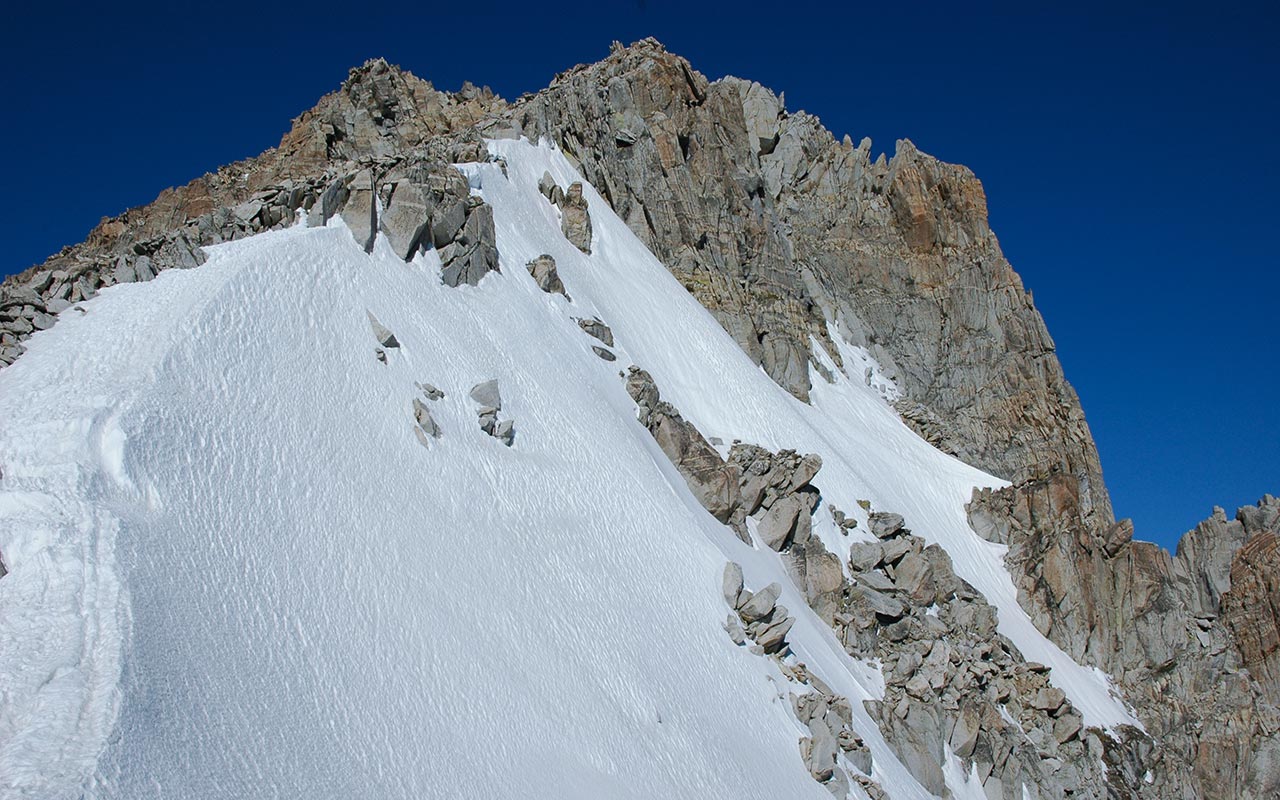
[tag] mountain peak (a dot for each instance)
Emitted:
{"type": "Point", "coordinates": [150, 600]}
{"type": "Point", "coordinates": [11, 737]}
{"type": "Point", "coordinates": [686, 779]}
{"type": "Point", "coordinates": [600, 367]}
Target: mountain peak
{"type": "Point", "coordinates": [457, 365]}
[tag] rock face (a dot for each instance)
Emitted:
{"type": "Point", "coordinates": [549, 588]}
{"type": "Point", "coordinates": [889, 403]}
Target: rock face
{"type": "Point", "coordinates": [1192, 638]}
{"type": "Point", "coordinates": [777, 228]}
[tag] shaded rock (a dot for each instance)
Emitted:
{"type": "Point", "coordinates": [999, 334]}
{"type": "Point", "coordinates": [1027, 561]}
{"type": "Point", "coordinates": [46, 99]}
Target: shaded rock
{"type": "Point", "coordinates": [774, 637]}
{"type": "Point", "coordinates": [360, 213]}
{"type": "Point", "coordinates": [15, 295]}
{"type": "Point", "coordinates": [880, 603]}
{"type": "Point", "coordinates": [607, 355]}
{"type": "Point", "coordinates": [473, 252]}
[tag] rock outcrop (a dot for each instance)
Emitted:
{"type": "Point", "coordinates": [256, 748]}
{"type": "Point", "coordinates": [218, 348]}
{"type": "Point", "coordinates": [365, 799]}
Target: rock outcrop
{"type": "Point", "coordinates": [711, 480]}
{"type": "Point", "coordinates": [384, 132]}
{"type": "Point", "coordinates": [1190, 637]}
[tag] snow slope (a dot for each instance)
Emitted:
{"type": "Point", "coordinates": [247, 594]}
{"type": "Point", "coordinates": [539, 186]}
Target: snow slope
{"type": "Point", "coordinates": [236, 573]}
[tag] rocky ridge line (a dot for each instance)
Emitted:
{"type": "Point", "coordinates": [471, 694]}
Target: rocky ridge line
{"type": "Point", "coordinates": [779, 229]}
{"type": "Point", "coordinates": [1192, 638]}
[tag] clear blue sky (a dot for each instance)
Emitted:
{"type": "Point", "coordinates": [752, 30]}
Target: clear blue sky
{"type": "Point", "coordinates": [1128, 155]}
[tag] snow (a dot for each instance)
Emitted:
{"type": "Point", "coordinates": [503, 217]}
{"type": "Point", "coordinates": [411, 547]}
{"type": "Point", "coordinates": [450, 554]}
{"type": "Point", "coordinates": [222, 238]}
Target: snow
{"type": "Point", "coordinates": [867, 452]}
{"type": "Point", "coordinates": [235, 572]}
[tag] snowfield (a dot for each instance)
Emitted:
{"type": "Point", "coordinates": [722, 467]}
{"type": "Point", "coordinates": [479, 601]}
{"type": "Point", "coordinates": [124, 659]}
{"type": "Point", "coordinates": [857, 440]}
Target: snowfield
{"type": "Point", "coordinates": [235, 572]}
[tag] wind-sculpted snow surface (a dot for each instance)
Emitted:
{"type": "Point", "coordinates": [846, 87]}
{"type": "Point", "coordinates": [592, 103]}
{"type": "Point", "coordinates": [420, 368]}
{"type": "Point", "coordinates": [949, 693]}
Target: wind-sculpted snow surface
{"type": "Point", "coordinates": [235, 570]}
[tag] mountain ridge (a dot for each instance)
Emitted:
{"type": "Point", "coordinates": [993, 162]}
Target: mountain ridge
{"type": "Point", "coordinates": [372, 120]}
{"type": "Point", "coordinates": [798, 245]}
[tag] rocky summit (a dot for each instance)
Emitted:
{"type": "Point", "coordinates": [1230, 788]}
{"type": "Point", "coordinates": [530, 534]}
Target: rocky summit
{"type": "Point", "coordinates": [634, 437]}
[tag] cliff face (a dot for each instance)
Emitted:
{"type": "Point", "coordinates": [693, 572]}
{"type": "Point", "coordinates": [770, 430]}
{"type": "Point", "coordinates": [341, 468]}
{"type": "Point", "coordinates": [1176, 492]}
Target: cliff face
{"type": "Point", "coordinates": [795, 242]}
{"type": "Point", "coordinates": [789, 237]}
{"type": "Point", "coordinates": [1191, 638]}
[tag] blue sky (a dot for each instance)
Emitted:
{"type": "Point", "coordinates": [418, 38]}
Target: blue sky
{"type": "Point", "coordinates": [1127, 153]}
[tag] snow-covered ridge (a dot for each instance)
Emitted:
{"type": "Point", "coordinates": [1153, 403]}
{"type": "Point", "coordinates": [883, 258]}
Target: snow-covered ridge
{"type": "Point", "coordinates": [236, 572]}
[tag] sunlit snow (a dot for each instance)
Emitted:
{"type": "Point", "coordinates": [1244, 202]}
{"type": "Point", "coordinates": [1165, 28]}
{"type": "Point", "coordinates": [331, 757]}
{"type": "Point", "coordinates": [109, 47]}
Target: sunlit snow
{"type": "Point", "coordinates": [235, 572]}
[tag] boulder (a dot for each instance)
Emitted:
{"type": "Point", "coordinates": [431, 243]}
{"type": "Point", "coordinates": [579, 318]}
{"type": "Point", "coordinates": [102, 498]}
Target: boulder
{"type": "Point", "coordinates": [880, 603]}
{"type": "Point", "coordinates": [864, 556]}
{"type": "Point", "coordinates": [380, 332]}
{"type": "Point", "coordinates": [429, 391]}
{"type": "Point", "coordinates": [543, 270]}
{"type": "Point", "coordinates": [426, 423]}
{"type": "Point", "coordinates": [1048, 698]}
{"type": "Point", "coordinates": [597, 329]}
{"type": "Point", "coordinates": [761, 603]}
{"type": "Point", "coordinates": [734, 628]}
{"type": "Point", "coordinates": [822, 751]}
{"type": "Point", "coordinates": [805, 471]}
{"type": "Point", "coordinates": [779, 522]}
{"type": "Point", "coordinates": [406, 221]}
{"type": "Point", "coordinates": [575, 221]}
{"type": "Point", "coordinates": [487, 395]}
{"type": "Point", "coordinates": [774, 636]}
{"type": "Point", "coordinates": [731, 583]}
{"type": "Point", "coordinates": [884, 525]}
{"type": "Point", "coordinates": [914, 578]}
{"type": "Point", "coordinates": [892, 550]}
{"type": "Point", "coordinates": [547, 185]}
{"type": "Point", "coordinates": [875, 579]}
{"type": "Point", "coordinates": [712, 482]}
{"type": "Point", "coordinates": [360, 213]}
